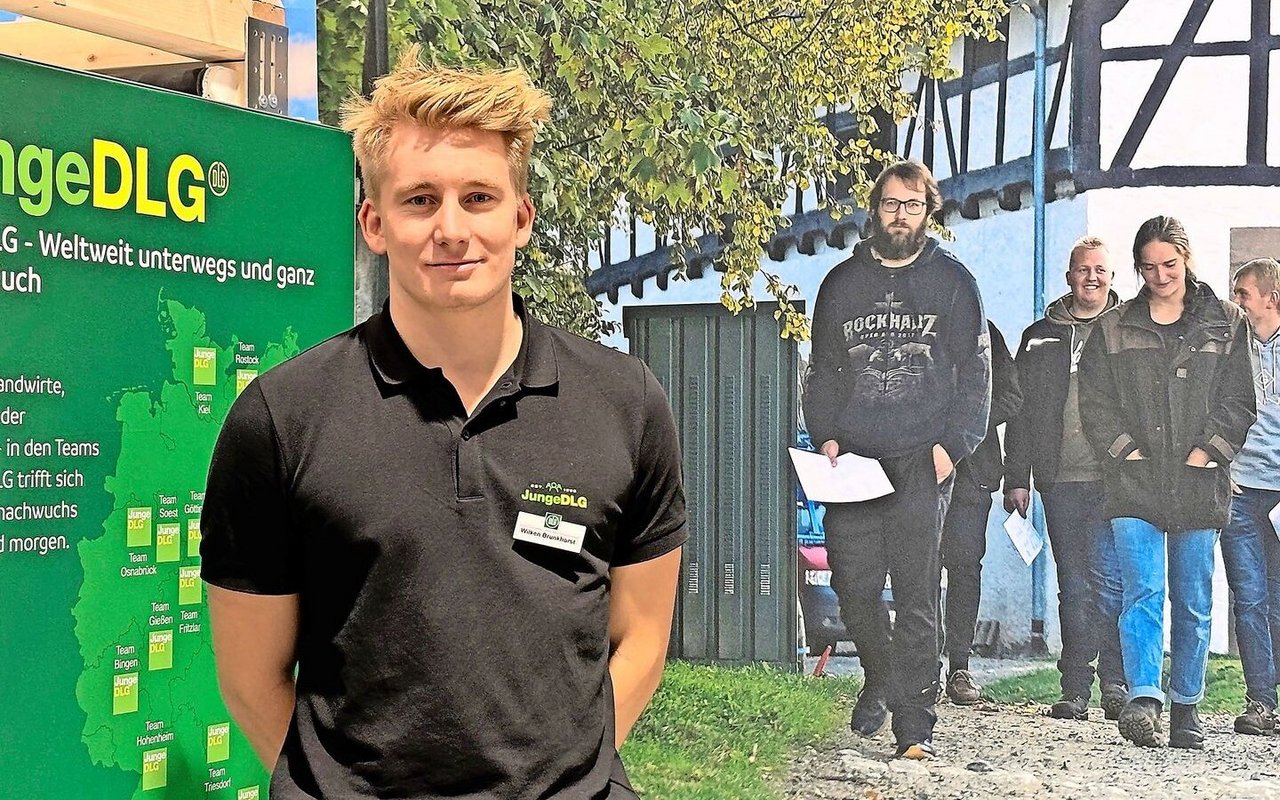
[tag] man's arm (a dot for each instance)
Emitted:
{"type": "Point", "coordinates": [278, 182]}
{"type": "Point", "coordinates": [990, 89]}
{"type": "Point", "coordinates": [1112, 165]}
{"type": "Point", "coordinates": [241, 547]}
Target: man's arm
{"type": "Point", "coordinates": [971, 348]}
{"type": "Point", "coordinates": [1006, 391]}
{"type": "Point", "coordinates": [641, 605]}
{"type": "Point", "coordinates": [255, 642]}
{"type": "Point", "coordinates": [1018, 435]}
{"type": "Point", "coordinates": [824, 389]}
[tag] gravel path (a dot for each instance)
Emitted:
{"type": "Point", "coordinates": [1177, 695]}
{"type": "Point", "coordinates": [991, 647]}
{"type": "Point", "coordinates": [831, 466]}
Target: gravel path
{"type": "Point", "coordinates": [993, 751]}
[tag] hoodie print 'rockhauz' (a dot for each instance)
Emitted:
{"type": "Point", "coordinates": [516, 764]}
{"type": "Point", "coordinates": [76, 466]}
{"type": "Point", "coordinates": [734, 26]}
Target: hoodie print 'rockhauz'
{"type": "Point", "coordinates": [901, 357]}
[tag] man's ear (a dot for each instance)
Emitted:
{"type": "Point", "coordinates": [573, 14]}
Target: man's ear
{"type": "Point", "coordinates": [371, 227]}
{"type": "Point", "coordinates": [525, 214]}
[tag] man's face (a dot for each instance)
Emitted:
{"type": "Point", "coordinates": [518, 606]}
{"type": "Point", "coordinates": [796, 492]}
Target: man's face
{"type": "Point", "coordinates": [448, 218]}
{"type": "Point", "coordinates": [1089, 276]}
{"type": "Point", "coordinates": [1258, 305]}
{"type": "Point", "coordinates": [1163, 269]}
{"type": "Point", "coordinates": [899, 233]}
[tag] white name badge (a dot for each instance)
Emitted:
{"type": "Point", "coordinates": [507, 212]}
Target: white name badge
{"type": "Point", "coordinates": [550, 530]}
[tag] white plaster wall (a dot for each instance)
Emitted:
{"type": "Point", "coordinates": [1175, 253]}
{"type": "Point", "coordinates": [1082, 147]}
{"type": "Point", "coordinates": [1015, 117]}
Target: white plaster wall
{"type": "Point", "coordinates": [982, 126]}
{"type": "Point", "coordinates": [1022, 29]}
{"type": "Point", "coordinates": [1143, 22]}
{"type": "Point", "coordinates": [1124, 84]}
{"type": "Point", "coordinates": [1273, 119]}
{"type": "Point", "coordinates": [1202, 119]}
{"type": "Point", "coordinates": [983, 110]}
{"type": "Point", "coordinates": [1227, 21]}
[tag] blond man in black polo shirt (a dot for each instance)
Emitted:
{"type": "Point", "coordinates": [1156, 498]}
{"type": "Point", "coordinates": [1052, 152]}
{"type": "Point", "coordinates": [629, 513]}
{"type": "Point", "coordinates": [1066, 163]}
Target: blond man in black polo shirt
{"type": "Point", "coordinates": [459, 526]}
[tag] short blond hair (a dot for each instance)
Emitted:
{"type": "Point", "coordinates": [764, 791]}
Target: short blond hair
{"type": "Point", "coordinates": [1265, 272]}
{"type": "Point", "coordinates": [505, 101]}
{"type": "Point", "coordinates": [1086, 243]}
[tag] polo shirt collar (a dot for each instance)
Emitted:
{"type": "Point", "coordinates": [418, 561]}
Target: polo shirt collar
{"type": "Point", "coordinates": [396, 368]}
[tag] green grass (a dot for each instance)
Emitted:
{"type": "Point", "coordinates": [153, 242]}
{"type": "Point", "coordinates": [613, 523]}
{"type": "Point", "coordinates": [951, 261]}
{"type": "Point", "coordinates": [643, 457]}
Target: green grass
{"type": "Point", "coordinates": [713, 733]}
{"type": "Point", "coordinates": [1224, 686]}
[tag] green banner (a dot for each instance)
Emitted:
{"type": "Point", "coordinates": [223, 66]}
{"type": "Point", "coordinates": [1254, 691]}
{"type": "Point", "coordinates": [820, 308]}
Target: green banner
{"type": "Point", "coordinates": [156, 253]}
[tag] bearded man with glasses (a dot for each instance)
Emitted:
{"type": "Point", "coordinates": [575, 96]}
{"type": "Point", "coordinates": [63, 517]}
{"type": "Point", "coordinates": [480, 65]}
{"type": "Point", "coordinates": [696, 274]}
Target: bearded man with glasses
{"type": "Point", "coordinates": [900, 372]}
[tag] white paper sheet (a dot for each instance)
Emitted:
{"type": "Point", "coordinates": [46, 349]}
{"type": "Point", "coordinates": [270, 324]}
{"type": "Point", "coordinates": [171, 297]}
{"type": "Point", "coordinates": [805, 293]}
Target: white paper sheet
{"type": "Point", "coordinates": [852, 480]}
{"type": "Point", "coordinates": [1274, 516]}
{"type": "Point", "coordinates": [1026, 539]}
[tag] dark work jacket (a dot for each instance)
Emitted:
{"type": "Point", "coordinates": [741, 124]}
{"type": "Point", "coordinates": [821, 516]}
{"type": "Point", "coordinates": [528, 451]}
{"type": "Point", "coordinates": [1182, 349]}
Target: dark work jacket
{"type": "Point", "coordinates": [983, 468]}
{"type": "Point", "coordinates": [1033, 438]}
{"type": "Point", "coordinates": [1135, 396]}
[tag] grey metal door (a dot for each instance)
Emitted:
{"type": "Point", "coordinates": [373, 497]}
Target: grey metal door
{"type": "Point", "coordinates": [733, 386]}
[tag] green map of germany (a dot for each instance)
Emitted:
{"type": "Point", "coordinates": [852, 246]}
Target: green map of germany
{"type": "Point", "coordinates": [142, 627]}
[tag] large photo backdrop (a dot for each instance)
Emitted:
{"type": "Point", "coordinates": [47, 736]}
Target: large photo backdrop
{"type": "Point", "coordinates": [157, 252]}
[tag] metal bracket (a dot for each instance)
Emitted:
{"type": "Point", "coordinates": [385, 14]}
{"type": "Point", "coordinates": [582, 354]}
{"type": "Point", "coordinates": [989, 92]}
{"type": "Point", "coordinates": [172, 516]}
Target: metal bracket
{"type": "Point", "coordinates": [267, 57]}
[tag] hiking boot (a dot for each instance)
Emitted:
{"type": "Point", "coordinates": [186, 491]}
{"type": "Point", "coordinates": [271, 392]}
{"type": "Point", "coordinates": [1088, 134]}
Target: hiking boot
{"type": "Point", "coordinates": [916, 751]}
{"type": "Point", "coordinates": [962, 689]}
{"type": "Point", "coordinates": [1257, 719]}
{"type": "Point", "coordinates": [1076, 707]}
{"type": "Point", "coordinates": [1140, 722]}
{"type": "Point", "coordinates": [1184, 727]}
{"type": "Point", "coordinates": [869, 713]}
{"type": "Point", "coordinates": [1114, 696]}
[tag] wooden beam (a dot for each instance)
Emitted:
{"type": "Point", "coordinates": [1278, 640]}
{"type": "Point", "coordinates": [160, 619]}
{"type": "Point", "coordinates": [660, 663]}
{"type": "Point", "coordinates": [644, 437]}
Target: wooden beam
{"type": "Point", "coordinates": [204, 30]}
{"type": "Point", "coordinates": [76, 49]}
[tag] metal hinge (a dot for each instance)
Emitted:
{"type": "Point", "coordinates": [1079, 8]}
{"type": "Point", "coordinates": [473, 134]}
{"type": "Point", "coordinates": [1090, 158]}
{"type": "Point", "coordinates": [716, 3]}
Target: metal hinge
{"type": "Point", "coordinates": [267, 56]}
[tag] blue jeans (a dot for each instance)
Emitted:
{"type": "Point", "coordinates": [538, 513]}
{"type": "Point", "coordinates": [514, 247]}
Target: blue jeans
{"type": "Point", "coordinates": [1144, 552]}
{"type": "Point", "coordinates": [1251, 554]}
{"type": "Point", "coordinates": [1090, 593]}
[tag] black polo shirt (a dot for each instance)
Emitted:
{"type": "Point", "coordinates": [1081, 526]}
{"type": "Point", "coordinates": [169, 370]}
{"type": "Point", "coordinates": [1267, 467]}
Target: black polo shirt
{"type": "Point", "coordinates": [453, 571]}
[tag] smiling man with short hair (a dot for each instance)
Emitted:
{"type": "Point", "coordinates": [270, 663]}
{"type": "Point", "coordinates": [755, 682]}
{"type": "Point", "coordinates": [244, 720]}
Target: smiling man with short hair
{"type": "Point", "coordinates": [460, 526]}
{"type": "Point", "coordinates": [1250, 547]}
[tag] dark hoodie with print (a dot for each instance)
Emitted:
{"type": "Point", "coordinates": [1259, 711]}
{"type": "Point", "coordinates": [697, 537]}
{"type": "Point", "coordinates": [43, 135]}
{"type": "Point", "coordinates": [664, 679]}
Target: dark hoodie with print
{"type": "Point", "coordinates": [901, 357]}
{"type": "Point", "coordinates": [1045, 437]}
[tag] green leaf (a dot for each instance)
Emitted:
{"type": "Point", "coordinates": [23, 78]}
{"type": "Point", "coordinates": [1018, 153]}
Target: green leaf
{"type": "Point", "coordinates": [703, 158]}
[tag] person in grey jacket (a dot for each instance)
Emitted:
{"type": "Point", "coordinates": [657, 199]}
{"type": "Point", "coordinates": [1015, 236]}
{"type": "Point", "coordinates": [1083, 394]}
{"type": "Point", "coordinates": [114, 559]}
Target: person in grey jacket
{"type": "Point", "coordinates": [1045, 440]}
{"type": "Point", "coordinates": [1250, 546]}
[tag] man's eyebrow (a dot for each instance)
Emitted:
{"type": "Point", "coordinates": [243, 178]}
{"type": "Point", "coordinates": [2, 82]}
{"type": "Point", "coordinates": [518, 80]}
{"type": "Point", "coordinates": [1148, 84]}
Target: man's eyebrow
{"type": "Point", "coordinates": [426, 186]}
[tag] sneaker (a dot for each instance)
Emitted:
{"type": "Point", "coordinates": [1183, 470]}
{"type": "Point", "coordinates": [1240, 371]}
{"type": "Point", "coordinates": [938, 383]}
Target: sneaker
{"type": "Point", "coordinates": [916, 751]}
{"type": "Point", "coordinates": [1257, 719]}
{"type": "Point", "coordinates": [1140, 722]}
{"type": "Point", "coordinates": [1114, 696]}
{"type": "Point", "coordinates": [869, 713]}
{"type": "Point", "coordinates": [962, 689]}
{"type": "Point", "coordinates": [1075, 707]}
{"type": "Point", "coordinates": [1184, 727]}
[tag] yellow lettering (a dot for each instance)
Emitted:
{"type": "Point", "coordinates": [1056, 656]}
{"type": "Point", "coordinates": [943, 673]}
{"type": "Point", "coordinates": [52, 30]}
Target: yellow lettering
{"type": "Point", "coordinates": [152, 208]}
{"type": "Point", "coordinates": [103, 197]}
{"type": "Point", "coordinates": [192, 211]}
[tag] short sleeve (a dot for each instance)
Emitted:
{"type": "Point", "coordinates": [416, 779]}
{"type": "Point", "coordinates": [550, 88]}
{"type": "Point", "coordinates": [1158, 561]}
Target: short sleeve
{"type": "Point", "coordinates": [247, 540]}
{"type": "Point", "coordinates": [654, 521]}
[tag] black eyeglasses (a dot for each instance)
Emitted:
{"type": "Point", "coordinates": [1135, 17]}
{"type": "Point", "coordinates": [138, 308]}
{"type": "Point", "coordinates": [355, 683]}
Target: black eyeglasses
{"type": "Point", "coordinates": [890, 205]}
